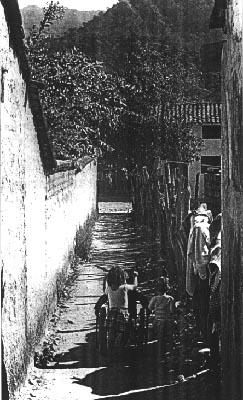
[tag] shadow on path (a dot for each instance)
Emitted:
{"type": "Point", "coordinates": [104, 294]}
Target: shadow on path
{"type": "Point", "coordinates": [141, 374]}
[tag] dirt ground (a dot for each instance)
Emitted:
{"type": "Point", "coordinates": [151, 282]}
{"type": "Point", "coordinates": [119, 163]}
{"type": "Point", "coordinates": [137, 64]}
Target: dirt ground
{"type": "Point", "coordinates": [76, 370]}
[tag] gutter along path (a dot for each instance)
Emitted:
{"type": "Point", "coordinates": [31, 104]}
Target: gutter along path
{"type": "Point", "coordinates": [78, 371]}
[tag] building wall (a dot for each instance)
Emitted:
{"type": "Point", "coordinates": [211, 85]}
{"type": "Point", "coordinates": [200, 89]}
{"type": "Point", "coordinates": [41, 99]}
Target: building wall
{"type": "Point", "coordinates": [39, 218]}
{"type": "Point", "coordinates": [194, 167]}
{"type": "Point", "coordinates": [232, 205]}
{"type": "Point", "coordinates": [210, 147]}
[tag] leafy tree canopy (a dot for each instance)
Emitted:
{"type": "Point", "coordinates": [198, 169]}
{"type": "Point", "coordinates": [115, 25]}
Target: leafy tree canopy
{"type": "Point", "coordinates": [179, 24]}
{"type": "Point", "coordinates": [152, 82]}
{"type": "Point", "coordinates": [87, 107]}
{"type": "Point", "coordinates": [81, 102]}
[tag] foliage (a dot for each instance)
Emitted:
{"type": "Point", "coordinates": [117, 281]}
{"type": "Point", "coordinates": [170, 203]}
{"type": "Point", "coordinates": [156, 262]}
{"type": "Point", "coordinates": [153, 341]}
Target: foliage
{"type": "Point", "coordinates": [52, 12]}
{"type": "Point", "coordinates": [81, 102]}
{"type": "Point", "coordinates": [153, 47]}
{"type": "Point", "coordinates": [88, 108]}
{"type": "Point", "coordinates": [178, 24]}
{"type": "Point", "coordinates": [154, 81]}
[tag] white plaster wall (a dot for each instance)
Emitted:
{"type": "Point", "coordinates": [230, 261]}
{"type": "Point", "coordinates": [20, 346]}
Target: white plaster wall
{"type": "Point", "coordinates": [22, 210]}
{"type": "Point", "coordinates": [37, 230]}
{"type": "Point", "coordinates": [65, 212]}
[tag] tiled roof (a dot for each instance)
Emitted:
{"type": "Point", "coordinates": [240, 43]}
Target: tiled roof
{"type": "Point", "coordinates": [198, 113]}
{"type": "Point", "coordinates": [46, 153]}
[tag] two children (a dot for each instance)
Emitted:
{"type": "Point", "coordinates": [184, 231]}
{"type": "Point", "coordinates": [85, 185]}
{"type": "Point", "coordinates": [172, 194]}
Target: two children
{"type": "Point", "coordinates": [120, 309]}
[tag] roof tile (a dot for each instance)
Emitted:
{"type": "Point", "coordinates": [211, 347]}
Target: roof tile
{"type": "Point", "coordinates": [198, 113]}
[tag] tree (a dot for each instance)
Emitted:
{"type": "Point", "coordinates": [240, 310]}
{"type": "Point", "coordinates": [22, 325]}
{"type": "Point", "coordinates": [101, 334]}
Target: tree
{"type": "Point", "coordinates": [87, 107]}
{"type": "Point", "coordinates": [153, 81]}
{"type": "Point", "coordinates": [81, 102]}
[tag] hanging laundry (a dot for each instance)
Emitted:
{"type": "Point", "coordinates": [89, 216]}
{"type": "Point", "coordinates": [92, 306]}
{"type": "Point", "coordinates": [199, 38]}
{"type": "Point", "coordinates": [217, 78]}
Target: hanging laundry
{"type": "Point", "coordinates": [198, 247]}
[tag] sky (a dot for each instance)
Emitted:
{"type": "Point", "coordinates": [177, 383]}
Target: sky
{"type": "Point", "coordinates": [83, 5]}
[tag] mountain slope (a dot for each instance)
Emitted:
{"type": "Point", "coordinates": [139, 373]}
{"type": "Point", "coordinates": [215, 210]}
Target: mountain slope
{"type": "Point", "coordinates": [32, 15]}
{"type": "Point", "coordinates": [176, 24]}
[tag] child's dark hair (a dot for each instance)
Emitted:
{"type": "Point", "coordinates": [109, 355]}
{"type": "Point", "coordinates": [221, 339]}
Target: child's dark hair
{"type": "Point", "coordinates": [162, 285]}
{"type": "Point", "coordinates": [116, 277]}
{"type": "Point", "coordinates": [129, 277]}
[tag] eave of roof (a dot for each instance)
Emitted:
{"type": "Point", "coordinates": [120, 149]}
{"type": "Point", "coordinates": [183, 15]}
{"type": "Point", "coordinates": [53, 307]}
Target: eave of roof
{"type": "Point", "coordinates": [16, 34]}
{"type": "Point", "coordinates": [196, 113]}
{"type": "Point", "coordinates": [16, 42]}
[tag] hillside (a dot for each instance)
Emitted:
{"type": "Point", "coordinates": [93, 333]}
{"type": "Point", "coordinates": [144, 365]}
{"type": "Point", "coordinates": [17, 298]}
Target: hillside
{"type": "Point", "coordinates": [32, 15]}
{"type": "Point", "coordinates": [113, 36]}
{"type": "Point", "coordinates": [176, 23]}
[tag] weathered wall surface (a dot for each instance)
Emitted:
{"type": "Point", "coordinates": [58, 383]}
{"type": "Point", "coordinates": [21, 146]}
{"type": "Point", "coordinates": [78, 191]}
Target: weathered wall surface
{"type": "Point", "coordinates": [210, 147]}
{"type": "Point", "coordinates": [39, 218]}
{"type": "Point", "coordinates": [70, 198]}
{"type": "Point", "coordinates": [21, 165]}
{"type": "Point", "coordinates": [195, 167]}
{"type": "Point", "coordinates": [232, 189]}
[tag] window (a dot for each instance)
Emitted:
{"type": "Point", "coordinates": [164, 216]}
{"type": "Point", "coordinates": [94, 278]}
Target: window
{"type": "Point", "coordinates": [211, 132]}
{"type": "Point", "coordinates": [210, 161]}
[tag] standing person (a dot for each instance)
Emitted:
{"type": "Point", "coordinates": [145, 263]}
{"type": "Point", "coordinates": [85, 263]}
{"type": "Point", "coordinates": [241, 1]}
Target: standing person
{"type": "Point", "coordinates": [118, 316]}
{"type": "Point", "coordinates": [198, 256]}
{"type": "Point", "coordinates": [164, 309]}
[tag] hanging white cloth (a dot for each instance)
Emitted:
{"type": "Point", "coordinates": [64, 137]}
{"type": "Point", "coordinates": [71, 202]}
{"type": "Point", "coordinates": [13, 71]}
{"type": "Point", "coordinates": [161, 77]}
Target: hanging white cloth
{"type": "Point", "coordinates": [197, 251]}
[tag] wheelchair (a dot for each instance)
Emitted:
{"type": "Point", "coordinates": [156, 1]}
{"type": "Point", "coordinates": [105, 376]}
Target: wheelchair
{"type": "Point", "coordinates": [137, 325]}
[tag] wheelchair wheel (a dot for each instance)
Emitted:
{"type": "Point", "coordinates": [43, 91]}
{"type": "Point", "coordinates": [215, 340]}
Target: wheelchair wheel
{"type": "Point", "coordinates": [102, 331]}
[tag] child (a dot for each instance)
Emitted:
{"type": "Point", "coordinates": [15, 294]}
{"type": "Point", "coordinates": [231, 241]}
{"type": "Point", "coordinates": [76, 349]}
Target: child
{"type": "Point", "coordinates": [164, 309]}
{"type": "Point", "coordinates": [118, 316]}
{"type": "Point", "coordinates": [137, 331]}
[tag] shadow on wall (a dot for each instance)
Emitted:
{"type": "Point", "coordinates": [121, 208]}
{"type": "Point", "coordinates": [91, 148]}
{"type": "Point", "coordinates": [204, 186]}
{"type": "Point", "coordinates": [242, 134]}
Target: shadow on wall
{"type": "Point", "coordinates": [84, 237]}
{"type": "Point", "coordinates": [5, 393]}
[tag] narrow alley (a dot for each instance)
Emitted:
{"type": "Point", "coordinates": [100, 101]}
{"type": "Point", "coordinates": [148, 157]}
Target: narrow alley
{"type": "Point", "coordinates": [78, 370]}
{"type": "Point", "coordinates": [121, 146]}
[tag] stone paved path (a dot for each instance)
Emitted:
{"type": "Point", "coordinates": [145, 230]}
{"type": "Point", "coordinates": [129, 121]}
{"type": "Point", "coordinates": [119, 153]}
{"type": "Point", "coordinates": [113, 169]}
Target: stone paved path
{"type": "Point", "coordinates": [114, 242]}
{"type": "Point", "coordinates": [81, 373]}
